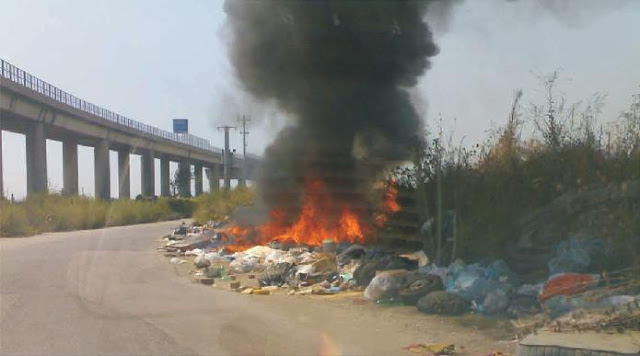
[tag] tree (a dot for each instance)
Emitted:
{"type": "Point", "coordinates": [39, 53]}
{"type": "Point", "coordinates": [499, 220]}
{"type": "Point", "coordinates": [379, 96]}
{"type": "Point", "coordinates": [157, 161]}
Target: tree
{"type": "Point", "coordinates": [182, 180]}
{"type": "Point", "coordinates": [548, 118]}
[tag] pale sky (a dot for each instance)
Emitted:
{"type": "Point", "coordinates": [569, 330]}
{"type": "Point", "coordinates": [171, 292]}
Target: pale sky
{"type": "Point", "coordinates": [158, 60]}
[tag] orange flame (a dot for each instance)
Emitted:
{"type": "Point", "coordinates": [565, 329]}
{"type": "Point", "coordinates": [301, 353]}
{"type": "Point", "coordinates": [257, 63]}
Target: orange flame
{"type": "Point", "coordinates": [316, 222]}
{"type": "Point", "coordinates": [390, 205]}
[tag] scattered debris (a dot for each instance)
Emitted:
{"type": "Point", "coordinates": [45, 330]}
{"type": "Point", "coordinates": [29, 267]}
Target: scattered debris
{"type": "Point", "coordinates": [567, 284]}
{"type": "Point", "coordinates": [176, 261]}
{"type": "Point", "coordinates": [419, 256]}
{"type": "Point", "coordinates": [570, 301]}
{"type": "Point", "coordinates": [434, 349]}
{"type": "Point", "coordinates": [201, 262]}
{"type": "Point", "coordinates": [214, 271]}
{"type": "Point", "coordinates": [276, 275]}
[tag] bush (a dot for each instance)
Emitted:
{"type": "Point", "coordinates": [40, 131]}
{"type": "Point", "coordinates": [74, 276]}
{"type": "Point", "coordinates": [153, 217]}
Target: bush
{"type": "Point", "coordinates": [53, 212]}
{"type": "Point", "coordinates": [493, 186]}
{"type": "Point", "coordinates": [217, 205]}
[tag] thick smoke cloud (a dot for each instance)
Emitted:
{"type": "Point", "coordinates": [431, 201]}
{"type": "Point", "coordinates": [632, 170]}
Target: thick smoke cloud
{"type": "Point", "coordinates": [340, 69]}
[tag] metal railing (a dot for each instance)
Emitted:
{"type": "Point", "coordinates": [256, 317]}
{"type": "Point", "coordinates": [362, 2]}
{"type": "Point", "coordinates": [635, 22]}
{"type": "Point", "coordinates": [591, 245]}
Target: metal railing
{"type": "Point", "coordinates": [19, 76]}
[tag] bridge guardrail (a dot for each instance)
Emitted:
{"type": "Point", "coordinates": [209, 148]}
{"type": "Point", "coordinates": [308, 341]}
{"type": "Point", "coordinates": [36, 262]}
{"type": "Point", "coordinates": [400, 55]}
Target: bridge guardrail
{"type": "Point", "coordinates": [21, 77]}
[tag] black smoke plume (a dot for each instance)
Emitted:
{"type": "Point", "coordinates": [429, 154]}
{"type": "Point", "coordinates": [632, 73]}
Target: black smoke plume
{"type": "Point", "coordinates": [339, 69]}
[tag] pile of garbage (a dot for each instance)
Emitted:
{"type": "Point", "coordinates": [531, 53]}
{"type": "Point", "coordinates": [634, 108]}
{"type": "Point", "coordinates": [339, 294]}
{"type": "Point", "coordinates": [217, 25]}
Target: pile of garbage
{"type": "Point", "coordinates": [572, 297]}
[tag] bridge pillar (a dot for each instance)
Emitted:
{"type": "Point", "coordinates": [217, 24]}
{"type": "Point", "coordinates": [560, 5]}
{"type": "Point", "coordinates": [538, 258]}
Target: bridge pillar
{"type": "Point", "coordinates": [36, 142]}
{"type": "Point", "coordinates": [165, 179]}
{"type": "Point", "coordinates": [124, 174]}
{"type": "Point", "coordinates": [198, 178]}
{"type": "Point", "coordinates": [148, 174]}
{"type": "Point", "coordinates": [214, 178]}
{"type": "Point", "coordinates": [70, 167]}
{"type": "Point", "coordinates": [1, 182]}
{"type": "Point", "coordinates": [102, 171]}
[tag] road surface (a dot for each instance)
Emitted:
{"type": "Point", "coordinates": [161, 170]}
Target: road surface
{"type": "Point", "coordinates": [108, 291]}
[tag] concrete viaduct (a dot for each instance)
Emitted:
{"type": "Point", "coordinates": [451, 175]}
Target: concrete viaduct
{"type": "Point", "coordinates": [40, 111]}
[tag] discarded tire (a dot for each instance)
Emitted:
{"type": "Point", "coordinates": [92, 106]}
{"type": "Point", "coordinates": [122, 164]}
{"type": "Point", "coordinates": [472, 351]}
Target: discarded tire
{"type": "Point", "coordinates": [417, 286]}
{"type": "Point", "coordinates": [441, 302]}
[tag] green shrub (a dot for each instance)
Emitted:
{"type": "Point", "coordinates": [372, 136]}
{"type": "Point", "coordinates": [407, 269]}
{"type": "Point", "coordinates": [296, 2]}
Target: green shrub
{"type": "Point", "coordinates": [217, 205]}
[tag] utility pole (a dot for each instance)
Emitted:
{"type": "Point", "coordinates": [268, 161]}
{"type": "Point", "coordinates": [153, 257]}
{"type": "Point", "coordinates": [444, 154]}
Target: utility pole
{"type": "Point", "coordinates": [243, 181]}
{"type": "Point", "coordinates": [439, 203]}
{"type": "Point", "coordinates": [226, 158]}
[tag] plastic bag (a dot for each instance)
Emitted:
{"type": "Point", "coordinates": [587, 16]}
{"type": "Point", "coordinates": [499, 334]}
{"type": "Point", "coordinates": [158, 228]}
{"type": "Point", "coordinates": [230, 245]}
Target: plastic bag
{"type": "Point", "coordinates": [259, 251]}
{"type": "Point", "coordinates": [244, 264]}
{"type": "Point", "coordinates": [201, 261]}
{"type": "Point", "coordinates": [214, 256]}
{"type": "Point", "coordinates": [496, 301]}
{"type": "Point", "coordinates": [460, 277]}
{"type": "Point", "coordinates": [530, 290]}
{"type": "Point", "coordinates": [274, 256]}
{"type": "Point", "coordinates": [486, 287]}
{"type": "Point", "coordinates": [498, 271]}
{"type": "Point", "coordinates": [194, 252]}
{"type": "Point", "coordinates": [384, 286]}
{"type": "Point", "coordinates": [432, 269]}
{"type": "Point", "coordinates": [575, 255]}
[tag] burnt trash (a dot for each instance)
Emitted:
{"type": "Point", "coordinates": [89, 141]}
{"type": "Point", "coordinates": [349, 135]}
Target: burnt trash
{"type": "Point", "coordinates": [350, 253]}
{"type": "Point", "coordinates": [200, 241]}
{"type": "Point", "coordinates": [441, 302]}
{"type": "Point", "coordinates": [302, 279]}
{"type": "Point", "coordinates": [180, 230]}
{"type": "Point", "coordinates": [276, 275]}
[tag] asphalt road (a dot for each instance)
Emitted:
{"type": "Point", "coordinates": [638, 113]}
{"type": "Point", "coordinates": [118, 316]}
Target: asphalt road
{"type": "Point", "coordinates": [109, 292]}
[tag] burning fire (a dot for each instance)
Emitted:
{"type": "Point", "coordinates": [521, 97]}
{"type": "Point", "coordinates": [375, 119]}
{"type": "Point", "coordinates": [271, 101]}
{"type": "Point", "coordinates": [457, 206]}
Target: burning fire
{"type": "Point", "coordinates": [319, 219]}
{"type": "Point", "coordinates": [389, 204]}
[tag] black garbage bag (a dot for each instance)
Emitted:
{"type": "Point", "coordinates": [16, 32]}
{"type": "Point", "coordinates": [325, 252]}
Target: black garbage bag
{"type": "Point", "coordinates": [441, 302]}
{"type": "Point", "coordinates": [417, 286]}
{"type": "Point", "coordinates": [351, 252]}
{"type": "Point", "coordinates": [276, 275]}
{"type": "Point", "coordinates": [365, 273]}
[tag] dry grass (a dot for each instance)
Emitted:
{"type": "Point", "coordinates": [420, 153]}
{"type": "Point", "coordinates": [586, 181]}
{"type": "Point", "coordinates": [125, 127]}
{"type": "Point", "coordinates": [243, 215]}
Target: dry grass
{"type": "Point", "coordinates": [493, 186]}
{"type": "Point", "coordinates": [53, 212]}
{"type": "Point", "coordinates": [217, 205]}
